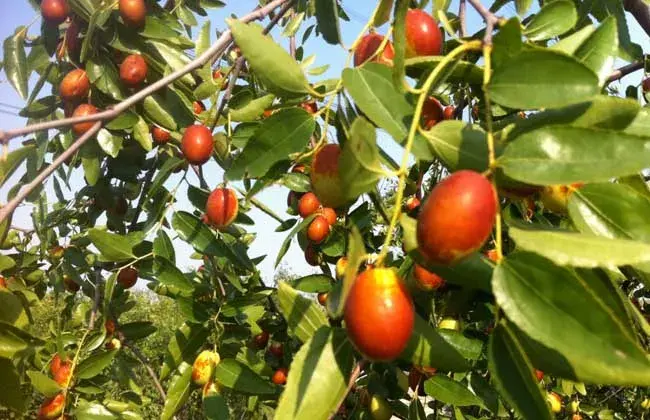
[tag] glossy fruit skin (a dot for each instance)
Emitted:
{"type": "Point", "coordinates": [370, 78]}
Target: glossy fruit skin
{"type": "Point", "coordinates": [277, 349]}
{"type": "Point", "coordinates": [3, 283]}
{"type": "Point", "coordinates": [556, 197]}
{"type": "Point", "coordinates": [203, 367]}
{"type": "Point", "coordinates": [62, 375]}
{"type": "Point", "coordinates": [197, 144]}
{"type": "Point", "coordinates": [70, 285]}
{"type": "Point", "coordinates": [160, 135]}
{"type": "Point", "coordinates": [82, 111]}
{"type": "Point", "coordinates": [198, 107]}
{"type": "Point", "coordinates": [341, 266]}
{"type": "Point", "coordinates": [325, 180]}
{"type": "Point", "coordinates": [52, 407]}
{"type": "Point", "coordinates": [310, 106]}
{"type": "Point", "coordinates": [432, 113]}
{"type": "Point", "coordinates": [74, 86]}
{"type": "Point", "coordinates": [222, 207]}
{"type": "Point", "coordinates": [492, 255]}
{"type": "Point", "coordinates": [261, 339]}
{"type": "Point", "coordinates": [133, 12]}
{"type": "Point", "coordinates": [217, 75]}
{"type": "Point", "coordinates": [308, 204]}
{"type": "Point", "coordinates": [412, 204]}
{"type": "Point", "coordinates": [423, 37]}
{"type": "Point", "coordinates": [449, 112]}
{"type": "Point", "coordinates": [109, 325]}
{"type": "Point", "coordinates": [539, 375]}
{"type": "Point", "coordinates": [379, 408]}
{"type": "Point", "coordinates": [426, 280]}
{"type": "Point", "coordinates": [555, 401]}
{"type": "Point", "coordinates": [133, 70]}
{"type": "Point", "coordinates": [318, 230]}
{"type": "Point", "coordinates": [55, 364]}
{"type": "Point", "coordinates": [280, 376]}
{"type": "Point", "coordinates": [127, 277]}
{"type": "Point", "coordinates": [72, 41]}
{"type": "Point", "coordinates": [322, 298]}
{"type": "Point", "coordinates": [457, 217]}
{"type": "Point", "coordinates": [329, 214]}
{"type": "Point", "coordinates": [576, 417]}
{"type": "Point", "coordinates": [313, 257]}
{"type": "Point", "coordinates": [55, 11]}
{"type": "Point", "coordinates": [379, 314]}
{"type": "Point", "coordinates": [367, 47]}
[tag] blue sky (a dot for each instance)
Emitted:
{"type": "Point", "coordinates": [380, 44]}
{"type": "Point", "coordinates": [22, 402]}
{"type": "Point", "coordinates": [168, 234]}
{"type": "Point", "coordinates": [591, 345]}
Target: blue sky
{"type": "Point", "coordinates": [268, 241]}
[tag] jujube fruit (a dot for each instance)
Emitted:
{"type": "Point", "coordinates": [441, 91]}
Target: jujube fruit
{"type": "Point", "coordinates": [310, 106]}
{"type": "Point", "coordinates": [492, 255]}
{"type": "Point", "coordinates": [210, 389]}
{"type": "Point", "coordinates": [83, 110]}
{"type": "Point", "coordinates": [52, 407]}
{"type": "Point", "coordinates": [113, 344]}
{"type": "Point", "coordinates": [222, 207]}
{"type": "Point", "coordinates": [379, 408]}
{"type": "Point", "coordinates": [539, 375]}
{"type": "Point", "coordinates": [197, 144]}
{"type": "Point", "coordinates": [298, 168]}
{"type": "Point", "coordinates": [449, 112]}
{"type": "Point", "coordinates": [329, 214]}
{"type": "Point", "coordinates": [322, 298]}
{"type": "Point", "coordinates": [127, 277]}
{"type": "Point", "coordinates": [308, 204]}
{"type": "Point", "coordinates": [318, 230]}
{"type": "Point", "coordinates": [55, 364]}
{"type": "Point", "coordinates": [277, 349]}
{"type": "Point", "coordinates": [368, 45]}
{"type": "Point", "coordinates": [54, 11]}
{"type": "Point", "coordinates": [133, 70]}
{"type": "Point", "coordinates": [423, 37]}
{"type": "Point", "coordinates": [133, 12]}
{"type": "Point", "coordinates": [3, 283]}
{"type": "Point", "coordinates": [555, 401]}
{"type": "Point", "coordinates": [432, 113]}
{"type": "Point", "coordinates": [62, 375]}
{"type": "Point", "coordinates": [426, 280]}
{"type": "Point", "coordinates": [198, 107]}
{"type": "Point", "coordinates": [379, 314]}
{"type": "Point", "coordinates": [313, 257]}
{"type": "Point", "coordinates": [203, 367]}
{"type": "Point", "coordinates": [261, 339]}
{"type": "Point", "coordinates": [341, 266]}
{"type": "Point", "coordinates": [218, 76]}
{"type": "Point", "coordinates": [412, 204]}
{"type": "Point", "coordinates": [325, 180]}
{"type": "Point", "coordinates": [645, 85]}
{"type": "Point", "coordinates": [109, 325]}
{"type": "Point", "coordinates": [160, 135]}
{"type": "Point", "coordinates": [69, 284]}
{"type": "Point", "coordinates": [74, 86]}
{"type": "Point", "coordinates": [457, 217]}
{"type": "Point", "coordinates": [280, 376]}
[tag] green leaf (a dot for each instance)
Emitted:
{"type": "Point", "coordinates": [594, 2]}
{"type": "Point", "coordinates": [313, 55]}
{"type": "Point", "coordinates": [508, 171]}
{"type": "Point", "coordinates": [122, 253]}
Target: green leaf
{"type": "Point", "coordinates": [173, 57]}
{"type": "Point", "coordinates": [459, 145]}
{"type": "Point", "coordinates": [90, 161]}
{"type": "Point", "coordinates": [238, 377]}
{"type": "Point", "coordinates": [318, 377]}
{"type": "Point", "coordinates": [110, 144]}
{"type": "Point", "coordinates": [170, 165]}
{"type": "Point", "coordinates": [356, 251]}
{"type": "Point", "coordinates": [252, 110]}
{"type": "Point", "coordinates": [382, 13]}
{"type": "Point", "coordinates": [283, 133]}
{"type": "Point", "coordinates": [142, 134]}
{"type": "Point", "coordinates": [399, 44]}
{"type": "Point", "coordinates": [9, 165]}
{"type": "Point", "coordinates": [103, 75]}
{"type": "Point", "coordinates": [314, 283]}
{"type": "Point", "coordinates": [359, 162]}
{"type": "Point", "coordinates": [575, 313]}
{"type": "Point", "coordinates": [95, 364]}
{"type": "Point", "coordinates": [93, 411]}
{"type": "Point", "coordinates": [156, 108]}
{"type": "Point", "coordinates": [185, 344]}
{"type": "Point", "coordinates": [163, 247]}
{"type": "Point", "coordinates": [15, 61]}
{"type": "Point", "coordinates": [523, 6]}
{"type": "Point", "coordinates": [203, 40]}
{"type": "Point", "coordinates": [542, 79]}
{"type": "Point", "coordinates": [287, 240]}
{"type": "Point", "coordinates": [43, 383]}
{"type": "Point", "coordinates": [11, 395]}
{"type": "Point", "coordinates": [41, 107]}
{"type": "Point", "coordinates": [473, 271]}
{"type": "Point", "coordinates": [555, 18]}
{"type": "Point", "coordinates": [512, 374]}
{"type": "Point", "coordinates": [167, 274]}
{"type": "Point", "coordinates": [272, 64]}
{"type": "Point", "coordinates": [571, 43]}
{"type": "Point", "coordinates": [427, 347]}
{"type": "Point", "coordinates": [293, 25]}
{"type": "Point", "coordinates": [215, 407]}
{"type": "Point", "coordinates": [460, 71]}
{"type": "Point", "coordinates": [451, 392]}
{"type": "Point", "coordinates": [137, 330]}
{"type": "Point", "coordinates": [112, 247]}
{"type": "Point", "coordinates": [178, 391]}
{"type": "Point", "coordinates": [303, 315]}
{"type": "Point", "coordinates": [598, 51]}
{"type": "Point", "coordinates": [579, 250]}
{"type": "Point", "coordinates": [565, 154]}
{"type": "Point", "coordinates": [327, 16]}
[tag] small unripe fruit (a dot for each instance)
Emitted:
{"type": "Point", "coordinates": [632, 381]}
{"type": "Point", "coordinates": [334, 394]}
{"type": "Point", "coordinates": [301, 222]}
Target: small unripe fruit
{"type": "Point", "coordinates": [261, 339]}
{"type": "Point", "coordinates": [423, 37]}
{"type": "Point", "coordinates": [308, 204]}
{"type": "Point", "coordinates": [318, 230]}
{"type": "Point", "coordinates": [133, 12]}
{"type": "Point", "coordinates": [133, 70]}
{"type": "Point", "coordinates": [52, 407]}
{"type": "Point", "coordinates": [432, 113]}
{"type": "Point", "coordinates": [204, 366]}
{"type": "Point", "coordinates": [113, 344]}
{"type": "Point", "coordinates": [70, 285]}
{"type": "Point", "coordinates": [74, 86]}
{"type": "Point", "coordinates": [449, 112]}
{"type": "Point", "coordinates": [56, 252]}
{"type": "Point", "coordinates": [277, 349]}
{"type": "Point", "coordinates": [210, 389]}
{"type": "Point", "coordinates": [426, 280]}
{"type": "Point", "coordinates": [218, 76]}
{"type": "Point", "coordinates": [83, 110]}
{"type": "Point", "coordinates": [379, 408]}
{"type": "Point", "coordinates": [556, 197]}
{"type": "Point", "coordinates": [322, 298]}
{"type": "Point", "coordinates": [222, 207]}
{"type": "Point", "coordinates": [127, 277]}
{"type": "Point", "coordinates": [412, 204]}
{"type": "Point", "coordinates": [555, 401]}
{"type": "Point", "coordinates": [457, 217]}
{"type": "Point", "coordinates": [379, 314]}
{"type": "Point", "coordinates": [575, 406]}
{"type": "Point", "coordinates": [449, 324]}
{"type": "Point", "coordinates": [197, 144]}
{"type": "Point", "coordinates": [539, 375]}
{"type": "Point", "coordinates": [160, 135]}
{"type": "Point", "coordinates": [54, 11]}
{"type": "Point", "coordinates": [367, 47]}
{"type": "Point", "coordinates": [280, 376]}
{"type": "Point", "coordinates": [109, 325]}
{"type": "Point", "coordinates": [325, 180]}
{"type": "Point", "coordinates": [341, 266]}
{"type": "Point", "coordinates": [198, 107]}
{"type": "Point", "coordinates": [329, 214]}
{"type": "Point", "coordinates": [492, 255]}
{"type": "Point", "coordinates": [313, 257]}
{"type": "Point", "coordinates": [310, 106]}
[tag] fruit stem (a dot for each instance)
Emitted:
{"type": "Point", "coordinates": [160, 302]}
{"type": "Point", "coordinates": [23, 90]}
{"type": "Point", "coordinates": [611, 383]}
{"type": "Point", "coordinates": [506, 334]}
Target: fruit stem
{"type": "Point", "coordinates": [426, 87]}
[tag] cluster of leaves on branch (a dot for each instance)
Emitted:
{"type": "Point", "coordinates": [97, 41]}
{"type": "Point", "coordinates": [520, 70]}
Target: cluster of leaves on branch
{"type": "Point", "coordinates": [503, 274]}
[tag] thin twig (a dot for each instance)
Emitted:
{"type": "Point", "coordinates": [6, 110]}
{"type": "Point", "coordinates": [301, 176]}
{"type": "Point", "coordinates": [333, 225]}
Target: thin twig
{"type": "Point", "coordinates": [145, 362]}
{"type": "Point", "coordinates": [490, 19]}
{"type": "Point", "coordinates": [462, 6]}
{"type": "Point", "coordinates": [639, 9]}
{"type": "Point", "coordinates": [143, 195]}
{"type": "Point", "coordinates": [358, 368]}
{"type": "Point", "coordinates": [93, 313]}
{"type": "Point", "coordinates": [292, 38]}
{"type": "Point", "coordinates": [624, 71]}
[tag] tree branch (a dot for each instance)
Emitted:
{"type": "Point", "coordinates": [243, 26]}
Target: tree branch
{"type": "Point", "coordinates": [462, 6]}
{"type": "Point", "coordinates": [93, 314]}
{"type": "Point", "coordinates": [641, 12]}
{"type": "Point", "coordinates": [143, 359]}
{"type": "Point", "coordinates": [490, 19]}
{"type": "Point", "coordinates": [624, 71]}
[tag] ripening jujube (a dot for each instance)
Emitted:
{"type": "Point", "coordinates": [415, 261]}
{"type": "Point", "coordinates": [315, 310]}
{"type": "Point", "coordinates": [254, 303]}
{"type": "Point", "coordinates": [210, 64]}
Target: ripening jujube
{"type": "Point", "coordinates": [318, 229]}
{"type": "Point", "coordinates": [325, 179]}
{"type": "Point", "coordinates": [127, 277]}
{"type": "Point", "coordinates": [368, 45]}
{"type": "Point", "coordinates": [55, 11]}
{"type": "Point", "coordinates": [160, 135]}
{"type": "Point", "coordinates": [197, 144]}
{"type": "Point", "coordinates": [308, 204]}
{"type": "Point", "coordinates": [133, 70]}
{"type": "Point", "coordinates": [423, 37]}
{"type": "Point", "coordinates": [222, 207]}
{"type": "Point", "coordinates": [133, 12]}
{"type": "Point", "coordinates": [74, 86]}
{"type": "Point", "coordinates": [83, 110]}
{"type": "Point", "coordinates": [203, 367]}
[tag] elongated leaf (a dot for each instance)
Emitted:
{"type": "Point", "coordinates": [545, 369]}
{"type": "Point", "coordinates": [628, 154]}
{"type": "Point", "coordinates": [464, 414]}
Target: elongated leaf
{"type": "Point", "coordinates": [359, 162]}
{"type": "Point", "coordinates": [232, 374]}
{"type": "Point", "coordinates": [459, 71]}
{"type": "Point", "coordinates": [43, 383]}
{"type": "Point", "coordinates": [110, 144]}
{"type": "Point", "coordinates": [103, 74]}
{"type": "Point", "coordinates": [183, 346]}
{"type": "Point", "coordinates": [459, 145]}
{"type": "Point", "coordinates": [574, 313]}
{"type": "Point", "coordinates": [382, 14]}
{"type": "Point", "coordinates": [11, 395]}
{"type": "Point", "coordinates": [13, 161]}
{"type": "Point", "coordinates": [315, 283]}
{"type": "Point", "coordinates": [512, 373]}
{"type": "Point", "coordinates": [15, 61]}
{"type": "Point", "coordinates": [112, 247]}
{"type": "Point", "coordinates": [276, 69]}
{"type": "Point", "coordinates": [167, 274]}
{"type": "Point", "coordinates": [95, 364]}
{"type": "Point", "coordinates": [252, 110]}
{"type": "Point", "coordinates": [399, 43]}
{"type": "Point", "coordinates": [327, 16]}
{"type": "Point", "coordinates": [287, 240]}
{"type": "Point", "coordinates": [173, 57]}
{"type": "Point", "coordinates": [451, 392]}
{"type": "Point", "coordinates": [163, 247]}
{"type": "Point", "coordinates": [542, 79]}
{"type": "Point", "coordinates": [178, 391]}
{"type": "Point", "coordinates": [283, 133]}
{"type": "Point", "coordinates": [598, 51]}
{"type": "Point", "coordinates": [554, 19]}
{"type": "Point", "coordinates": [318, 377]}
{"type": "Point", "coordinates": [303, 315]}
{"type": "Point", "coordinates": [156, 108]}
{"type": "Point", "coordinates": [203, 40]}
